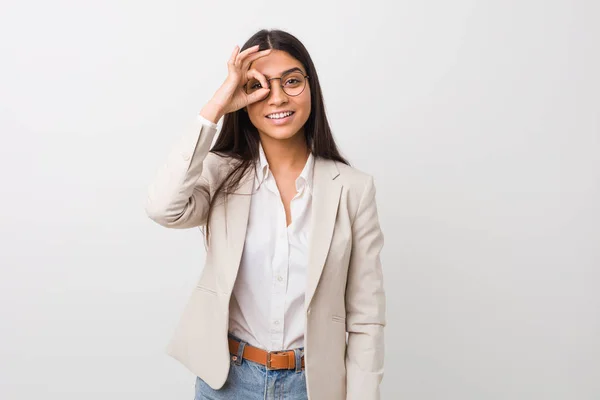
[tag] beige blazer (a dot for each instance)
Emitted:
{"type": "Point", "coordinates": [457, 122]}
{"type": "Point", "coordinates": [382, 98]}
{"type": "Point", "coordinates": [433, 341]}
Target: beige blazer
{"type": "Point", "coordinates": [345, 302]}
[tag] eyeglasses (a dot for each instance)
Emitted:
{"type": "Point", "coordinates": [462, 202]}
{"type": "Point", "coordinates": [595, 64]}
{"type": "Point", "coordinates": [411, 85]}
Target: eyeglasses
{"type": "Point", "coordinates": [292, 83]}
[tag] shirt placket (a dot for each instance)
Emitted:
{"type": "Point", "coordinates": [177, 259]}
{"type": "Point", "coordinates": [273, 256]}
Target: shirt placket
{"type": "Point", "coordinates": [279, 276]}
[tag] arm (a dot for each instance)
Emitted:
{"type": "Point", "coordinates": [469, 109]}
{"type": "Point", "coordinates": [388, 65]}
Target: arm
{"type": "Point", "coordinates": [365, 303]}
{"type": "Point", "coordinates": [180, 194]}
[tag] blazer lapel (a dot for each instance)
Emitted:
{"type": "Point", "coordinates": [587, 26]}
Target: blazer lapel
{"type": "Point", "coordinates": [326, 197]}
{"type": "Point", "coordinates": [237, 212]}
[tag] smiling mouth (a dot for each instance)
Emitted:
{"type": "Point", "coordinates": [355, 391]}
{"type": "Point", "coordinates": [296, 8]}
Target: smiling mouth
{"type": "Point", "coordinates": [280, 115]}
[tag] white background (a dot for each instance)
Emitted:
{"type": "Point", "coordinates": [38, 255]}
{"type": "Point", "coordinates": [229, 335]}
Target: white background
{"type": "Point", "coordinates": [480, 121]}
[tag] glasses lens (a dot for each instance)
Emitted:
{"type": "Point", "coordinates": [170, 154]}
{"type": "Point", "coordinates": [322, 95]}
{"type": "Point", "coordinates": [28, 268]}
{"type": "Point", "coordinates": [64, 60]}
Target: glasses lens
{"type": "Point", "coordinates": [293, 83]}
{"type": "Point", "coordinates": [252, 86]}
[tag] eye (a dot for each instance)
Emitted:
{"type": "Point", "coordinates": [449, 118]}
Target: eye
{"type": "Point", "coordinates": [292, 81]}
{"type": "Point", "coordinates": [255, 85]}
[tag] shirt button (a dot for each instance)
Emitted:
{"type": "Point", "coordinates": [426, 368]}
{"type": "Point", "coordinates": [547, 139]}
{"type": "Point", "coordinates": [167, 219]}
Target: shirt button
{"type": "Point", "coordinates": [276, 322]}
{"type": "Point", "coordinates": [280, 278]}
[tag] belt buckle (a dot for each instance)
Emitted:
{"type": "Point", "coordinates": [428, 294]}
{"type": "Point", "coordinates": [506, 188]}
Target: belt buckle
{"type": "Point", "coordinates": [269, 354]}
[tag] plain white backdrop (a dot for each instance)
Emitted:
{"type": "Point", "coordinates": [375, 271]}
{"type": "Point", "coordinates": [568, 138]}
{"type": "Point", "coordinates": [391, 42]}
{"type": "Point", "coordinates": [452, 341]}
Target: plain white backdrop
{"type": "Point", "coordinates": [480, 121]}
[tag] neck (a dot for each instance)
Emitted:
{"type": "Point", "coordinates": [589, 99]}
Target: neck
{"type": "Point", "coordinates": [285, 155]}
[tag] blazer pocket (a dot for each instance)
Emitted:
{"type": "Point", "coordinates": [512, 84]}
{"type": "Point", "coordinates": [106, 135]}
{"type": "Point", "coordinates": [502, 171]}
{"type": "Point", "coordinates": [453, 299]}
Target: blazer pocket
{"type": "Point", "coordinates": [207, 290]}
{"type": "Point", "coordinates": [336, 318]}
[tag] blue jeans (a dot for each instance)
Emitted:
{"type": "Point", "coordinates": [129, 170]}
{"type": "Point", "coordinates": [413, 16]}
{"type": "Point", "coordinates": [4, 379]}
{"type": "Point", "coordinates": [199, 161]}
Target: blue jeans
{"type": "Point", "coordinates": [248, 380]}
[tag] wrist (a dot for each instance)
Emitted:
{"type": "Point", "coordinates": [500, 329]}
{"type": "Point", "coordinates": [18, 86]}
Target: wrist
{"type": "Point", "coordinates": [212, 112]}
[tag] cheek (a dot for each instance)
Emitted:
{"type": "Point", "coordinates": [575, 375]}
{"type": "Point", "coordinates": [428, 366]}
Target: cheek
{"type": "Point", "coordinates": [306, 105]}
{"type": "Point", "coordinates": [306, 100]}
{"type": "Point", "coordinates": [254, 114]}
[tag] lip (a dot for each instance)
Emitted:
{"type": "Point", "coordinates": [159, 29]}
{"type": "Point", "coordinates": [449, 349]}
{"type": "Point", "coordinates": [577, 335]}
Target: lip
{"type": "Point", "coordinates": [281, 121]}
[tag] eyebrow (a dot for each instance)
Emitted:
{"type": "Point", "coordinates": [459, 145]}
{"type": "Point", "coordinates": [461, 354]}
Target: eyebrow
{"type": "Point", "coordinates": [287, 71]}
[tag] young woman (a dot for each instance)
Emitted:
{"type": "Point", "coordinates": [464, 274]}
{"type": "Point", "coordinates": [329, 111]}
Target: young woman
{"type": "Point", "coordinates": [290, 303]}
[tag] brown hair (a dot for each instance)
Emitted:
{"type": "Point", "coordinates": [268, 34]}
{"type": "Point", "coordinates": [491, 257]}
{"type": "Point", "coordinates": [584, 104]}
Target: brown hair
{"type": "Point", "coordinates": [239, 138]}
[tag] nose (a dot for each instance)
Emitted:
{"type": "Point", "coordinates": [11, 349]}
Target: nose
{"type": "Point", "coordinates": [277, 96]}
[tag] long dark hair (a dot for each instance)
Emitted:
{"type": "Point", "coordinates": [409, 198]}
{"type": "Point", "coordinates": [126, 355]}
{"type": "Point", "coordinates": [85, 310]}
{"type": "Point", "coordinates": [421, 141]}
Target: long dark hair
{"type": "Point", "coordinates": [239, 139]}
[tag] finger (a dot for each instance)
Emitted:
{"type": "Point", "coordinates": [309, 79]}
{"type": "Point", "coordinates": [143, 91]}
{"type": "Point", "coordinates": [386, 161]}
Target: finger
{"type": "Point", "coordinates": [259, 95]}
{"type": "Point", "coordinates": [254, 57]}
{"type": "Point", "coordinates": [252, 73]}
{"type": "Point", "coordinates": [240, 57]}
{"type": "Point", "coordinates": [234, 54]}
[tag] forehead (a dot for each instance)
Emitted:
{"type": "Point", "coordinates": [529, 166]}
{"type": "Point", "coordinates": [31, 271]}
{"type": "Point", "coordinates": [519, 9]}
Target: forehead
{"type": "Point", "coordinates": [275, 63]}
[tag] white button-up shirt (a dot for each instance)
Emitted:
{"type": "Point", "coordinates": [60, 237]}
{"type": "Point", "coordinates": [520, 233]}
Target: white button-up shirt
{"type": "Point", "coordinates": [267, 305]}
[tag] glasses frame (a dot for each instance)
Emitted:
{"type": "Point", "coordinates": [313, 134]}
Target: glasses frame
{"type": "Point", "coordinates": [282, 88]}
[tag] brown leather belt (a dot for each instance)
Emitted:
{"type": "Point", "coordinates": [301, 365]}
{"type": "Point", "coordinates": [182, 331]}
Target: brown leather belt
{"type": "Point", "coordinates": [270, 359]}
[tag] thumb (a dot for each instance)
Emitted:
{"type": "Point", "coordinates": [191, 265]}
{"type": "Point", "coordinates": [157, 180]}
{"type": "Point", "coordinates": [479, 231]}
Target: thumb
{"type": "Point", "coordinates": [260, 94]}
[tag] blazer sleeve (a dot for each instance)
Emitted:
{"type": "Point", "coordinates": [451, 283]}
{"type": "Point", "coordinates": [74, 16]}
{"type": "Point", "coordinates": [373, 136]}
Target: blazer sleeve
{"type": "Point", "coordinates": [365, 303]}
{"type": "Point", "coordinates": [179, 195]}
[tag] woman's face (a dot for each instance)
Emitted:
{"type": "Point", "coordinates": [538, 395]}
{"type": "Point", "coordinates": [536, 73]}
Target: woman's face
{"type": "Point", "coordinates": [261, 112]}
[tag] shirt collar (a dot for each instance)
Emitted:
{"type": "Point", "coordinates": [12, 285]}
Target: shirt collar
{"type": "Point", "coordinates": [263, 171]}
{"type": "Point", "coordinates": [262, 165]}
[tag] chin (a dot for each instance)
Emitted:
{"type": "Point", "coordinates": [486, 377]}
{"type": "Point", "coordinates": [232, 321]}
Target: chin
{"type": "Point", "coordinates": [282, 133]}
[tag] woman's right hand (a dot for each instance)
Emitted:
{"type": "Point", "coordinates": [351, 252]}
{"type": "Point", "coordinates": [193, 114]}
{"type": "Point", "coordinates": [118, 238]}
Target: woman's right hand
{"type": "Point", "coordinates": [231, 96]}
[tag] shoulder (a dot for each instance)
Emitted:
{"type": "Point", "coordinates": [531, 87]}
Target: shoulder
{"type": "Point", "coordinates": [216, 166]}
{"type": "Point", "coordinates": [217, 160]}
{"type": "Point", "coordinates": [354, 180]}
{"type": "Point", "coordinates": [350, 175]}
{"type": "Point", "coordinates": [360, 196]}
{"type": "Point", "coordinates": [358, 185]}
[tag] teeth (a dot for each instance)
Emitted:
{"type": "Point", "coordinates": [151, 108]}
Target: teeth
{"type": "Point", "coordinates": [279, 115]}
